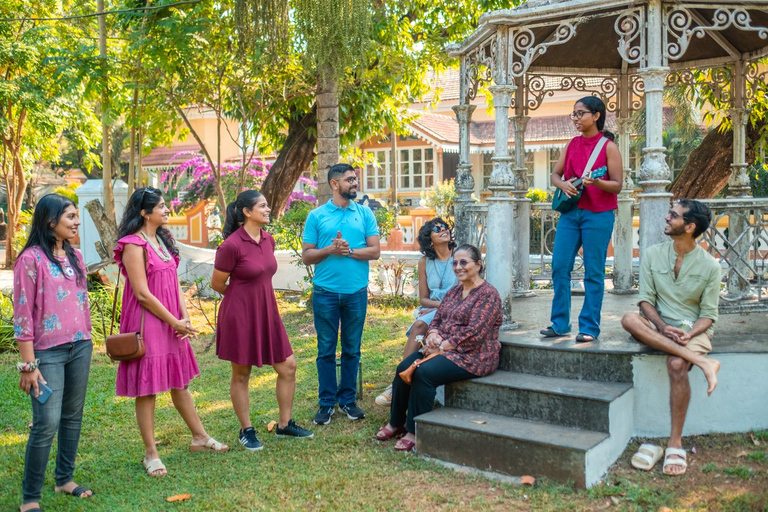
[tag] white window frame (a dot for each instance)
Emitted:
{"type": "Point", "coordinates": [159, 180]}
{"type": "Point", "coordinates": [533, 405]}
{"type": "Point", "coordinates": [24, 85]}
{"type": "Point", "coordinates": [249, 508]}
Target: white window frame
{"type": "Point", "coordinates": [380, 170]}
{"type": "Point", "coordinates": [406, 168]}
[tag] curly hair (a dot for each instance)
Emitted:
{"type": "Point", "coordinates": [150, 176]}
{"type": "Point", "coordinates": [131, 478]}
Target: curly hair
{"type": "Point", "coordinates": [425, 238]}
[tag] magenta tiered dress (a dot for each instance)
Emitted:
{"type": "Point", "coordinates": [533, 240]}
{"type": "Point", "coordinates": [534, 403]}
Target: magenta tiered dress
{"type": "Point", "coordinates": [169, 362]}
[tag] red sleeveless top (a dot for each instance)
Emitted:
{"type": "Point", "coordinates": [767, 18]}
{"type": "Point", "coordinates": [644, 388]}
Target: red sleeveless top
{"type": "Point", "coordinates": [576, 158]}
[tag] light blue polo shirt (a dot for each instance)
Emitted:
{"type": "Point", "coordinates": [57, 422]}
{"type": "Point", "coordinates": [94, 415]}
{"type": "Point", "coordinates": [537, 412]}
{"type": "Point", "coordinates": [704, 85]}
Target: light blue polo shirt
{"type": "Point", "coordinates": [340, 274]}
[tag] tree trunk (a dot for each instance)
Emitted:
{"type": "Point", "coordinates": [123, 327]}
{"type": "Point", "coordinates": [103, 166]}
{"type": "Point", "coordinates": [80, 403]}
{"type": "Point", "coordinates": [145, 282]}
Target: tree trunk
{"type": "Point", "coordinates": [15, 186]}
{"type": "Point", "coordinates": [106, 153]}
{"type": "Point", "coordinates": [708, 168]}
{"type": "Point", "coordinates": [106, 229]}
{"type": "Point", "coordinates": [217, 171]}
{"type": "Point", "coordinates": [294, 158]}
{"type": "Point", "coordinates": [327, 130]}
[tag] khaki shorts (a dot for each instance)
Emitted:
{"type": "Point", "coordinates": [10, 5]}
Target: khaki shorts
{"type": "Point", "coordinates": [701, 344]}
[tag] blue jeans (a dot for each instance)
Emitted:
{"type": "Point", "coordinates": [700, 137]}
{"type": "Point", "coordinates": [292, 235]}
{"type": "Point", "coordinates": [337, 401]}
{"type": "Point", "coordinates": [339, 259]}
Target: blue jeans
{"type": "Point", "coordinates": [592, 231]}
{"type": "Point", "coordinates": [65, 368]}
{"type": "Point", "coordinates": [330, 310]}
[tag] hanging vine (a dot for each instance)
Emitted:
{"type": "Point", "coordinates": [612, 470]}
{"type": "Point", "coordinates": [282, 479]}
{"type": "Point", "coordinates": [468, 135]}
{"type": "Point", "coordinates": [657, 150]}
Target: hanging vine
{"type": "Point", "coordinates": [262, 25]}
{"type": "Point", "coordinates": [333, 34]}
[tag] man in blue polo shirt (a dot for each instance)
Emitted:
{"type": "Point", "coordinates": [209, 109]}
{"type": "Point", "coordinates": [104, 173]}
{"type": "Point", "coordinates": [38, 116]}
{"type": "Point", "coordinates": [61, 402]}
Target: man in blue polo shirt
{"type": "Point", "coordinates": [340, 238]}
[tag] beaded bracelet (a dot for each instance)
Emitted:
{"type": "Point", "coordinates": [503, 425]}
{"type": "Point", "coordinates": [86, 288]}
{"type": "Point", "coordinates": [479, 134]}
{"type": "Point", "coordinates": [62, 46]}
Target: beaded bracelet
{"type": "Point", "coordinates": [27, 367]}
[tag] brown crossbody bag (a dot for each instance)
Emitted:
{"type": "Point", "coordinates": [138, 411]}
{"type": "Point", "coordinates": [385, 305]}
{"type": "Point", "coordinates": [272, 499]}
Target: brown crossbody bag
{"type": "Point", "coordinates": [129, 345]}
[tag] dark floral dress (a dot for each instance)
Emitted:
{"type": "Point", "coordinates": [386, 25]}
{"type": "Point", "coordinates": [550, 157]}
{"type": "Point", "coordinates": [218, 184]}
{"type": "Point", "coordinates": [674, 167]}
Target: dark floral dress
{"type": "Point", "coordinates": [472, 325]}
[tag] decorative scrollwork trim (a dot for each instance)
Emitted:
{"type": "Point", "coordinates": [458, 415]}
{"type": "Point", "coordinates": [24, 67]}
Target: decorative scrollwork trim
{"type": "Point", "coordinates": [524, 49]}
{"type": "Point", "coordinates": [630, 26]}
{"type": "Point", "coordinates": [680, 27]}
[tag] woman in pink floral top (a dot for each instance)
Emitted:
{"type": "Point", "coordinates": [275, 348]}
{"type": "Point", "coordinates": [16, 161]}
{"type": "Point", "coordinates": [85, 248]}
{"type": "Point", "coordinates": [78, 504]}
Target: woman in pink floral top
{"type": "Point", "coordinates": [465, 336]}
{"type": "Point", "coordinates": [52, 325]}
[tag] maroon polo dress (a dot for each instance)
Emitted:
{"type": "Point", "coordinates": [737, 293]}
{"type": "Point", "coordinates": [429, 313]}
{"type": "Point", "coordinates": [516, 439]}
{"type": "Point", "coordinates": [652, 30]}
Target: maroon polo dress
{"type": "Point", "coordinates": [249, 331]}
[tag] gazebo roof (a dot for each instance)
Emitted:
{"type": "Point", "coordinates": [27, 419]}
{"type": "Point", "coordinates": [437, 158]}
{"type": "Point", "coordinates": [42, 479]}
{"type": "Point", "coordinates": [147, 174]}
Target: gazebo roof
{"type": "Point", "coordinates": [703, 33]}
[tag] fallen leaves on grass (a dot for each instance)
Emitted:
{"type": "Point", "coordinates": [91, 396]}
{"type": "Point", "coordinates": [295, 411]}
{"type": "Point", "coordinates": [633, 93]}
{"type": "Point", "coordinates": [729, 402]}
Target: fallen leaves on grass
{"type": "Point", "coordinates": [271, 425]}
{"type": "Point", "coordinates": [527, 479]}
{"type": "Point", "coordinates": [754, 439]}
{"type": "Point", "coordinates": [178, 497]}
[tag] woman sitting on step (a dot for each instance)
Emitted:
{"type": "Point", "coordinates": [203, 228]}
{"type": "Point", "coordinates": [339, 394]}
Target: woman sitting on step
{"type": "Point", "coordinates": [435, 279]}
{"type": "Point", "coordinates": [462, 343]}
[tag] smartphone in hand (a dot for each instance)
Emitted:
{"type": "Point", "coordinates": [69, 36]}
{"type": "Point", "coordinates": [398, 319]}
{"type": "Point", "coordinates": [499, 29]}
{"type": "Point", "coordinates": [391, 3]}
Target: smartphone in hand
{"type": "Point", "coordinates": [45, 392]}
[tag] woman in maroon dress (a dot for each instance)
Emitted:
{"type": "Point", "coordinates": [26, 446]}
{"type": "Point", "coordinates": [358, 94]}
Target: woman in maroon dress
{"type": "Point", "coordinates": [465, 336]}
{"type": "Point", "coordinates": [249, 330]}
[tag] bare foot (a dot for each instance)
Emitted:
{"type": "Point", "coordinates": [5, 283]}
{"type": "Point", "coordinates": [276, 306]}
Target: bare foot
{"type": "Point", "coordinates": [674, 469]}
{"type": "Point", "coordinates": [68, 487]}
{"type": "Point", "coordinates": [710, 367]}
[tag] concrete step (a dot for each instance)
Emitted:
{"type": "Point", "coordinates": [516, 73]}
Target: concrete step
{"type": "Point", "coordinates": [566, 360]}
{"type": "Point", "coordinates": [509, 446]}
{"type": "Point", "coordinates": [565, 402]}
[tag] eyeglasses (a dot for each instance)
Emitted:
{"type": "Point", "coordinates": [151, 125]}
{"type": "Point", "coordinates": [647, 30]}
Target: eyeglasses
{"type": "Point", "coordinates": [436, 228]}
{"type": "Point", "coordinates": [578, 114]}
{"type": "Point", "coordinates": [460, 263]}
{"type": "Point", "coordinates": [673, 214]}
{"type": "Point", "coordinates": [351, 179]}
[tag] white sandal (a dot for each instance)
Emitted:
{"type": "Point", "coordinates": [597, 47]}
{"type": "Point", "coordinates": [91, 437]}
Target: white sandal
{"type": "Point", "coordinates": [211, 445]}
{"type": "Point", "coordinates": [647, 456]}
{"type": "Point", "coordinates": [682, 461]}
{"type": "Point", "coordinates": [154, 465]}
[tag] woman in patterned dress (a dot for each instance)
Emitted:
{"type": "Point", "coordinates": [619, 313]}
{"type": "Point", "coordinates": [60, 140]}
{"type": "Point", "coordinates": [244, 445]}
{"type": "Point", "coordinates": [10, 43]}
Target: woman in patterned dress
{"type": "Point", "coordinates": [52, 325]}
{"type": "Point", "coordinates": [464, 334]}
{"type": "Point", "coordinates": [436, 277]}
{"type": "Point", "coordinates": [148, 257]}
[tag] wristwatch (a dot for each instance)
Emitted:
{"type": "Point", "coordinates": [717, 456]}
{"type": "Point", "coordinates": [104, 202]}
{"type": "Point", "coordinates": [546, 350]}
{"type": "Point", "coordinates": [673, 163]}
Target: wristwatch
{"type": "Point", "coordinates": [351, 250]}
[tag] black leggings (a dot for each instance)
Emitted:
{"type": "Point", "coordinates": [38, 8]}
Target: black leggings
{"type": "Point", "coordinates": [409, 401]}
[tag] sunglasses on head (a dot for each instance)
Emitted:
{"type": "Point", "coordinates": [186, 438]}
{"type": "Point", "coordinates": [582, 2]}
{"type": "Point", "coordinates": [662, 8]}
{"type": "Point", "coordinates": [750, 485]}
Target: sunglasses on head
{"type": "Point", "coordinates": [460, 263]}
{"type": "Point", "coordinates": [436, 228]}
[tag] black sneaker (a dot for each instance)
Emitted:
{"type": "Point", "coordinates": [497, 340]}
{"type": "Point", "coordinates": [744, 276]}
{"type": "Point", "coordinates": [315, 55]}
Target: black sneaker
{"type": "Point", "coordinates": [353, 411]}
{"type": "Point", "coordinates": [323, 416]}
{"type": "Point", "coordinates": [293, 430]}
{"type": "Point", "coordinates": [249, 440]}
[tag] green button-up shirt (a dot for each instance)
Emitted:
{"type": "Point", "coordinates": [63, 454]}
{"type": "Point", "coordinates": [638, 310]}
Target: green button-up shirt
{"type": "Point", "coordinates": [694, 294]}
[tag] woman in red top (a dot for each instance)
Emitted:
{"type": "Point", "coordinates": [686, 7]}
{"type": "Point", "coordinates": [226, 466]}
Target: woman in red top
{"type": "Point", "coordinates": [589, 225]}
{"type": "Point", "coordinates": [465, 334]}
{"type": "Point", "coordinates": [249, 331]}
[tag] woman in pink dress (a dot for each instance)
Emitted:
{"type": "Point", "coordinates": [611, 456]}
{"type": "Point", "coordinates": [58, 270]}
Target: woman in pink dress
{"type": "Point", "coordinates": [249, 331]}
{"type": "Point", "coordinates": [149, 258]}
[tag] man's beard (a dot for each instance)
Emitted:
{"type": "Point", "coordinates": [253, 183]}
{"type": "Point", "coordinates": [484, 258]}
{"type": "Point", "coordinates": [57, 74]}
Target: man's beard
{"type": "Point", "coordinates": [348, 195]}
{"type": "Point", "coordinates": [676, 231]}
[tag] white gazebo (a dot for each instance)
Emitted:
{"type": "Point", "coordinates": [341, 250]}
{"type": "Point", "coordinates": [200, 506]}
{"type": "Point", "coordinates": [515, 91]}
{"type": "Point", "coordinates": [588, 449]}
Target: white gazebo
{"type": "Point", "coordinates": [632, 49]}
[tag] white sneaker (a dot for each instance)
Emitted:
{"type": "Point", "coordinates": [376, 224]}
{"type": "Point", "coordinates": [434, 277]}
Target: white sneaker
{"type": "Point", "coordinates": [385, 398]}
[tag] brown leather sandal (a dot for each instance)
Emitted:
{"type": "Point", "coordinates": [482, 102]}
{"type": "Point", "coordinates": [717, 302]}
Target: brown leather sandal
{"type": "Point", "coordinates": [384, 433]}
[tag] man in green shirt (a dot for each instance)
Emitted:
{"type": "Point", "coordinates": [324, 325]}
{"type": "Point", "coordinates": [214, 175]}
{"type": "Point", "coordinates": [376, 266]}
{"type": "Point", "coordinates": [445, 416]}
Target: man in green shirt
{"type": "Point", "coordinates": [679, 294]}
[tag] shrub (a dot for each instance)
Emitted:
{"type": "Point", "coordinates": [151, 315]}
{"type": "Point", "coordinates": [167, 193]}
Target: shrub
{"type": "Point", "coordinates": [441, 197]}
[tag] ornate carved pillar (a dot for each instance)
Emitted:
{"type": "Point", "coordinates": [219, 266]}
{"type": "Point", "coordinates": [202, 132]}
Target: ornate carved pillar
{"type": "Point", "coordinates": [654, 174]}
{"type": "Point", "coordinates": [500, 256]}
{"type": "Point", "coordinates": [623, 276]}
{"type": "Point", "coordinates": [521, 220]}
{"type": "Point", "coordinates": [738, 185]}
{"type": "Point", "coordinates": [464, 182]}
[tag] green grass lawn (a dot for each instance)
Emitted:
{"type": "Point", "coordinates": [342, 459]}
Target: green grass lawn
{"type": "Point", "coordinates": [343, 467]}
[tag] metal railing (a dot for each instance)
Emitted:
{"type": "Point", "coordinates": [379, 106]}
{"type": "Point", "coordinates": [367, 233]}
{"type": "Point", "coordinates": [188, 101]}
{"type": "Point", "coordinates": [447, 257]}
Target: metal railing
{"type": "Point", "coordinates": [477, 216]}
{"type": "Point", "coordinates": [742, 250]}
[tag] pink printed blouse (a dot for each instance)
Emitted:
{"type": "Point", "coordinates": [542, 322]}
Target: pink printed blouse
{"type": "Point", "coordinates": [49, 307]}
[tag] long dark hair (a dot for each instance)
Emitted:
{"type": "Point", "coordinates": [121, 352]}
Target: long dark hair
{"type": "Point", "coordinates": [596, 105]}
{"type": "Point", "coordinates": [146, 199]}
{"type": "Point", "coordinates": [48, 212]}
{"type": "Point", "coordinates": [425, 238]}
{"type": "Point", "coordinates": [235, 215]}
